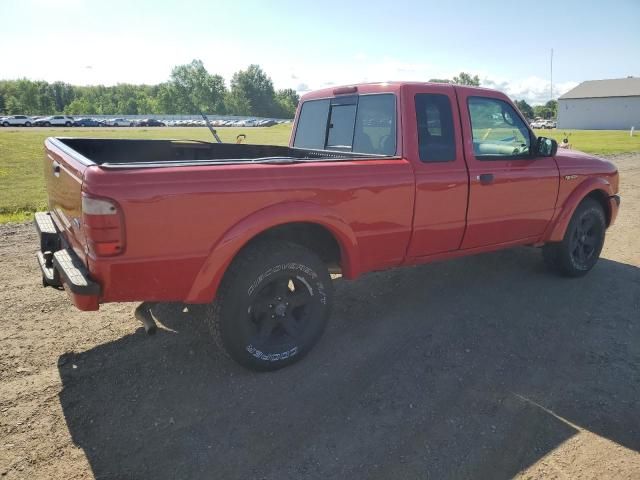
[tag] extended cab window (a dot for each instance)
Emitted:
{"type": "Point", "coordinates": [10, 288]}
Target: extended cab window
{"type": "Point", "coordinates": [436, 140]}
{"type": "Point", "coordinates": [359, 124]}
{"type": "Point", "coordinates": [498, 131]}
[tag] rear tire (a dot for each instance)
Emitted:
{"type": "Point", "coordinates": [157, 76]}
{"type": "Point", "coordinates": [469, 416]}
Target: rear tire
{"type": "Point", "coordinates": [579, 250]}
{"type": "Point", "coordinates": [272, 305]}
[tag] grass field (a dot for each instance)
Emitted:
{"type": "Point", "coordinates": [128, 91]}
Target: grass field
{"type": "Point", "coordinates": [22, 190]}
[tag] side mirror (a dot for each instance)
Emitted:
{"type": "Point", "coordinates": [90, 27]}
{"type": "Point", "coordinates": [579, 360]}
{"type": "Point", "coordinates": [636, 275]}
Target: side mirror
{"type": "Point", "coordinates": [546, 147]}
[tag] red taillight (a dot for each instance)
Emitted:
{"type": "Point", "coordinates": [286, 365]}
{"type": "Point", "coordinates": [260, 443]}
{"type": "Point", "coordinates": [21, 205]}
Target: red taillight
{"type": "Point", "coordinates": [103, 226]}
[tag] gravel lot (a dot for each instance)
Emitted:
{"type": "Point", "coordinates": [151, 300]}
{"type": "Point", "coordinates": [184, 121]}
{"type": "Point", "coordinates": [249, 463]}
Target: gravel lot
{"type": "Point", "coordinates": [483, 367]}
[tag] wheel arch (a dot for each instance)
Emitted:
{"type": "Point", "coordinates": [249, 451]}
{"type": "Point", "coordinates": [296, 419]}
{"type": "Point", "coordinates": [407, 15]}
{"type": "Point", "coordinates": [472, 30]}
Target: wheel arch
{"type": "Point", "coordinates": [310, 225]}
{"type": "Point", "coordinates": [597, 188]}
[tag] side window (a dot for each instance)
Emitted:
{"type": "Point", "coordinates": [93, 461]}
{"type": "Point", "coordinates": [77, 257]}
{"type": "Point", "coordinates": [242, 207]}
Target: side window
{"type": "Point", "coordinates": [498, 131]}
{"type": "Point", "coordinates": [312, 124]}
{"type": "Point", "coordinates": [436, 135]}
{"type": "Point", "coordinates": [359, 124]}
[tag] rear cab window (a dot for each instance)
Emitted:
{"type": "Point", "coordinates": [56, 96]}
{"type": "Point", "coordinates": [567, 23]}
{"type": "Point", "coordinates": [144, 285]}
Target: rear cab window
{"type": "Point", "coordinates": [354, 123]}
{"type": "Point", "coordinates": [436, 134]}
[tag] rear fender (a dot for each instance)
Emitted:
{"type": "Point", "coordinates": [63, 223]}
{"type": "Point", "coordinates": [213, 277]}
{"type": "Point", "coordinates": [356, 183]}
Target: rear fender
{"type": "Point", "coordinates": [224, 251]}
{"type": "Point", "coordinates": [559, 226]}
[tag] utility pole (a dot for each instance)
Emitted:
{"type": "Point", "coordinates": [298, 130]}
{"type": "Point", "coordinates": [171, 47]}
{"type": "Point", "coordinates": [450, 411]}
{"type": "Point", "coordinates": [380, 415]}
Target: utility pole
{"type": "Point", "coordinates": [551, 85]}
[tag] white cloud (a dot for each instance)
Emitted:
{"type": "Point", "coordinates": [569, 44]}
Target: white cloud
{"type": "Point", "coordinates": [534, 90]}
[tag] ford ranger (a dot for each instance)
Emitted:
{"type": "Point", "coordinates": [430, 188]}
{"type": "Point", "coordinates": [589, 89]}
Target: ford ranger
{"type": "Point", "coordinates": [375, 176]}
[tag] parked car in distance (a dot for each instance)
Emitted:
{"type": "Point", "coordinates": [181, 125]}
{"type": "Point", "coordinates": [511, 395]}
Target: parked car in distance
{"type": "Point", "coordinates": [537, 124]}
{"type": "Point", "coordinates": [54, 121]}
{"type": "Point", "coordinates": [149, 122]}
{"type": "Point", "coordinates": [119, 122]}
{"type": "Point", "coordinates": [88, 122]}
{"type": "Point", "coordinates": [254, 231]}
{"type": "Point", "coordinates": [17, 121]}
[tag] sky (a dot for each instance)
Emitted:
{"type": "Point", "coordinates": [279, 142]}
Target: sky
{"type": "Point", "coordinates": [307, 45]}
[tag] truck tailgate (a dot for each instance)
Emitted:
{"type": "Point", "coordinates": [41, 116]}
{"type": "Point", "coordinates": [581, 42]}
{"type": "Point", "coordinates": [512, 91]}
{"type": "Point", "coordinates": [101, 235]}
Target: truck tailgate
{"type": "Point", "coordinates": [63, 173]}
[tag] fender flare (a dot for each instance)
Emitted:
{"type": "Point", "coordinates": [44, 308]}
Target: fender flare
{"type": "Point", "coordinates": [223, 252]}
{"type": "Point", "coordinates": [559, 226]}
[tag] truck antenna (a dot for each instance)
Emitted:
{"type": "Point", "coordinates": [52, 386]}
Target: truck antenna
{"type": "Point", "coordinates": [211, 129]}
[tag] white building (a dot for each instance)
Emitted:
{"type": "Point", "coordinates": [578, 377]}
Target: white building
{"type": "Point", "coordinates": [601, 105]}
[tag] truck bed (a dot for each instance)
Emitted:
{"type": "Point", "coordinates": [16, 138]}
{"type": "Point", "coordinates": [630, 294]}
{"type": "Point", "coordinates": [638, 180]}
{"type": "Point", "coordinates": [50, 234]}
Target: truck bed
{"type": "Point", "coordinates": [127, 153]}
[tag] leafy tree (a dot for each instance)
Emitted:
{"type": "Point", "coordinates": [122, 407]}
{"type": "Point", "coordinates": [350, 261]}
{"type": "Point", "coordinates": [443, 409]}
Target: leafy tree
{"type": "Point", "coordinates": [525, 108]}
{"type": "Point", "coordinates": [548, 110]}
{"type": "Point", "coordinates": [63, 94]}
{"type": "Point", "coordinates": [13, 106]}
{"type": "Point", "coordinates": [552, 105]}
{"type": "Point", "coordinates": [287, 101]}
{"type": "Point", "coordinates": [80, 106]}
{"type": "Point", "coordinates": [252, 88]}
{"type": "Point", "coordinates": [193, 89]}
{"type": "Point", "coordinates": [467, 79]}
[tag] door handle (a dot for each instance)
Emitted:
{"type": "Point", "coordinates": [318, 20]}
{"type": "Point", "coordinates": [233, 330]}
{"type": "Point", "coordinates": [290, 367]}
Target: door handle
{"type": "Point", "coordinates": [485, 178]}
{"type": "Point", "coordinates": [56, 169]}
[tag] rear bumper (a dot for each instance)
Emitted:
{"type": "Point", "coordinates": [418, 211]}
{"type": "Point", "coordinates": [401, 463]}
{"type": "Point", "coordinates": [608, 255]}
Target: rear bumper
{"type": "Point", "coordinates": [614, 205]}
{"type": "Point", "coordinates": [60, 266]}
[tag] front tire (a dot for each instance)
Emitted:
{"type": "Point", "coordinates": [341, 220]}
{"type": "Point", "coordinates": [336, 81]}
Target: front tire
{"type": "Point", "coordinates": [272, 305]}
{"type": "Point", "coordinates": [579, 250]}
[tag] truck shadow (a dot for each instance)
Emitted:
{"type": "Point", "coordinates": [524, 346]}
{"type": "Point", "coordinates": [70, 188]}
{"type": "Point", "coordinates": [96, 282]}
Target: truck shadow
{"type": "Point", "coordinates": [473, 368]}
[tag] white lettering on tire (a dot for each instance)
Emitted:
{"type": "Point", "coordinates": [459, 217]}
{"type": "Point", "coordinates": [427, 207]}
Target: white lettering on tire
{"type": "Point", "coordinates": [271, 357]}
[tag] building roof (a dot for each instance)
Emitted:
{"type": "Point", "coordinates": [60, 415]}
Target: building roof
{"type": "Point", "coordinates": [616, 87]}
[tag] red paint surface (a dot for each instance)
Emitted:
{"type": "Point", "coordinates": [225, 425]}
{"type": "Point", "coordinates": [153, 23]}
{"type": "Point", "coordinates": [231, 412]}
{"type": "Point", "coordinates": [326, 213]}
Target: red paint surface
{"type": "Point", "coordinates": [184, 225]}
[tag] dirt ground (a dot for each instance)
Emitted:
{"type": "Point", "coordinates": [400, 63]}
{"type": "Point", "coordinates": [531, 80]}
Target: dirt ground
{"type": "Point", "coordinates": [486, 367]}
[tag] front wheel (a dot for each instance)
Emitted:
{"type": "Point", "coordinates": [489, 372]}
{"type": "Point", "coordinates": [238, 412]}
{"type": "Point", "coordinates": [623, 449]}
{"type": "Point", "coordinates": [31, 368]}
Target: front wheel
{"type": "Point", "coordinates": [579, 250]}
{"type": "Point", "coordinates": [272, 306]}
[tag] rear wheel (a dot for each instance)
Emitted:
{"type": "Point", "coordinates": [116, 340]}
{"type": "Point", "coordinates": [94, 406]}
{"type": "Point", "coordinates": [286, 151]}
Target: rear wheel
{"type": "Point", "coordinates": [68, 124]}
{"type": "Point", "coordinates": [580, 248]}
{"type": "Point", "coordinates": [272, 306]}
{"type": "Point", "coordinates": [27, 124]}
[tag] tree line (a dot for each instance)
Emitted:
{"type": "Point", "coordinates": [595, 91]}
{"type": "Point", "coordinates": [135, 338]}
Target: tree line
{"type": "Point", "coordinates": [190, 89]}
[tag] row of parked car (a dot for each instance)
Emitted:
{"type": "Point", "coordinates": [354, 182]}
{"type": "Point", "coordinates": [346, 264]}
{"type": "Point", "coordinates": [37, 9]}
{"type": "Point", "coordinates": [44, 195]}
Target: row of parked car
{"type": "Point", "coordinates": [67, 121]}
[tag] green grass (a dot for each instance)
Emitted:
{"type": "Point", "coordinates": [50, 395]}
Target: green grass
{"type": "Point", "coordinates": [22, 189]}
{"type": "Point", "coordinates": [602, 142]}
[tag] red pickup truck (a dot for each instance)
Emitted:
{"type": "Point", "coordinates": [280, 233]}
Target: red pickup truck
{"type": "Point", "coordinates": [375, 176]}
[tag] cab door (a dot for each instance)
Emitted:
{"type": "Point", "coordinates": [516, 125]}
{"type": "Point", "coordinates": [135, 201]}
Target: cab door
{"type": "Point", "coordinates": [433, 144]}
{"type": "Point", "coordinates": [512, 191]}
